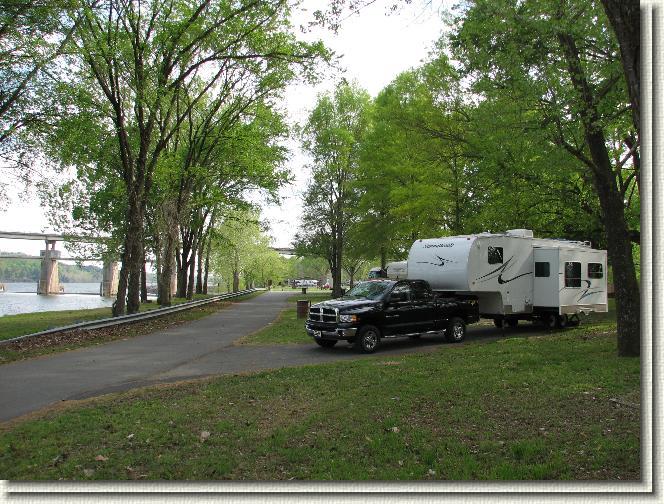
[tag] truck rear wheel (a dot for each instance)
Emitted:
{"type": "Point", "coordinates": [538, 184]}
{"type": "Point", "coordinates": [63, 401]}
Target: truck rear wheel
{"type": "Point", "coordinates": [326, 343]}
{"type": "Point", "coordinates": [367, 339]}
{"type": "Point", "coordinates": [456, 330]}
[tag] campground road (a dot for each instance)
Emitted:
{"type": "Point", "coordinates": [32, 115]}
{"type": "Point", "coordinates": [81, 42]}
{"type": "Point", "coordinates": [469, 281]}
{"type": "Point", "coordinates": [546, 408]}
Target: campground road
{"type": "Point", "coordinates": [200, 348]}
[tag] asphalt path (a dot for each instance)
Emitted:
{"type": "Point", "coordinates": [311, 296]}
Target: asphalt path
{"type": "Point", "coordinates": [200, 348]}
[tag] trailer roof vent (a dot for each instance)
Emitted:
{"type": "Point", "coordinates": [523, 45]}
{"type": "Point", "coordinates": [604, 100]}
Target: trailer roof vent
{"type": "Point", "coordinates": [523, 233]}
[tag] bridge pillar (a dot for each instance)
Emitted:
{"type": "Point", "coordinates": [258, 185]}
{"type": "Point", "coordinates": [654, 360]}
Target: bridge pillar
{"type": "Point", "coordinates": [109, 279]}
{"type": "Point", "coordinates": [49, 283]}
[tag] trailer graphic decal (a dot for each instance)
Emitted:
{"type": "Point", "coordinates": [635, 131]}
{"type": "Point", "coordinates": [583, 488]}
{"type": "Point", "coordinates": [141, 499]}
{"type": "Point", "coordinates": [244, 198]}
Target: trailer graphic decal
{"type": "Point", "coordinates": [442, 262]}
{"type": "Point", "coordinates": [501, 281]}
{"type": "Point", "coordinates": [588, 292]}
{"type": "Point", "coordinates": [500, 272]}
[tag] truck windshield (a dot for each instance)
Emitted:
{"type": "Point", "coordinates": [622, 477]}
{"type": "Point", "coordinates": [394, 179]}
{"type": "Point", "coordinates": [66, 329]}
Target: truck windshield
{"type": "Point", "coordinates": [368, 290]}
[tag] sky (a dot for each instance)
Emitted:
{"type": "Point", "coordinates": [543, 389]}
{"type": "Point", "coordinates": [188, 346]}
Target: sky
{"type": "Point", "coordinates": [374, 48]}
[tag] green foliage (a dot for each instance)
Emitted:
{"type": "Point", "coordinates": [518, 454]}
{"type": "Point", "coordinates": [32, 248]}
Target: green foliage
{"type": "Point", "coordinates": [307, 267]}
{"type": "Point", "coordinates": [29, 270]}
{"type": "Point", "coordinates": [332, 137]}
{"type": "Point", "coordinates": [533, 117]}
{"type": "Point", "coordinates": [242, 255]}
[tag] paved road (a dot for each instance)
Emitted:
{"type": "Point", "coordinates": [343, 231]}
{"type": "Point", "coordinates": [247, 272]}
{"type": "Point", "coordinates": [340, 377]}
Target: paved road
{"type": "Point", "coordinates": [200, 348]}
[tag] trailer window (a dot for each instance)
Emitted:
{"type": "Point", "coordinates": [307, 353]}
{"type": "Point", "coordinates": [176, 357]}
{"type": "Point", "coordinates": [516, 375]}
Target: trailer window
{"type": "Point", "coordinates": [595, 270]}
{"type": "Point", "coordinates": [495, 255]}
{"type": "Point", "coordinates": [542, 269]}
{"type": "Point", "coordinates": [572, 274]}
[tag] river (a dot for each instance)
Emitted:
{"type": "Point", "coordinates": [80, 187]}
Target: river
{"type": "Point", "coordinates": [21, 297]}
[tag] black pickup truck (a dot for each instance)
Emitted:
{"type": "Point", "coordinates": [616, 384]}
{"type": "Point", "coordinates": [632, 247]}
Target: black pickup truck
{"type": "Point", "coordinates": [383, 308]}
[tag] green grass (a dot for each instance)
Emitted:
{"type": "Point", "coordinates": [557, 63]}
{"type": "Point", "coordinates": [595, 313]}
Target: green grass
{"type": "Point", "coordinates": [287, 328]}
{"type": "Point", "coordinates": [12, 326]}
{"type": "Point", "coordinates": [515, 409]}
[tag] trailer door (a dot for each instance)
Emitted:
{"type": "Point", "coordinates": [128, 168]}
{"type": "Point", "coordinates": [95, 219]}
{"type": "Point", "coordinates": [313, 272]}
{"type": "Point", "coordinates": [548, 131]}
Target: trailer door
{"type": "Point", "coordinates": [546, 268]}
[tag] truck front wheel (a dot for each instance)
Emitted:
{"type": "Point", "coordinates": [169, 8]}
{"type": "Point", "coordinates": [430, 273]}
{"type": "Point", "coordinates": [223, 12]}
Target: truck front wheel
{"type": "Point", "coordinates": [456, 330]}
{"type": "Point", "coordinates": [367, 339]}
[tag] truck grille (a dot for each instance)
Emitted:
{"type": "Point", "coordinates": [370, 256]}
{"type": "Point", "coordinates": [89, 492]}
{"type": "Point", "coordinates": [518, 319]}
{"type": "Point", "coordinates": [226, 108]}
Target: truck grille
{"type": "Point", "coordinates": [321, 314]}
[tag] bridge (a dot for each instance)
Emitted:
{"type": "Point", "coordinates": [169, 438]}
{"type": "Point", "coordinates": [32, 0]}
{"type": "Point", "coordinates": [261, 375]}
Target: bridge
{"type": "Point", "coordinates": [48, 280]}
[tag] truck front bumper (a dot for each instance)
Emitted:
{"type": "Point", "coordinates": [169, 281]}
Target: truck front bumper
{"type": "Point", "coordinates": [340, 333]}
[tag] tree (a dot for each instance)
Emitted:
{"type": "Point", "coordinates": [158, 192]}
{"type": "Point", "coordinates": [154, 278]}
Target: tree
{"type": "Point", "coordinates": [624, 16]}
{"type": "Point", "coordinates": [561, 64]}
{"type": "Point", "coordinates": [242, 251]}
{"type": "Point", "coordinates": [332, 137]}
{"type": "Point", "coordinates": [145, 58]}
{"type": "Point", "coordinates": [33, 37]}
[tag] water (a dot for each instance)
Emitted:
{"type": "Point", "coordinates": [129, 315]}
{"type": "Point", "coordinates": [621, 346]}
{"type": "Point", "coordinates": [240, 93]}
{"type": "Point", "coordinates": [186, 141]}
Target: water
{"type": "Point", "coordinates": [21, 297]}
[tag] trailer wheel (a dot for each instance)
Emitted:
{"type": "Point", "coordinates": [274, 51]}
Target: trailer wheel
{"type": "Point", "coordinates": [368, 339]}
{"type": "Point", "coordinates": [456, 330]}
{"type": "Point", "coordinates": [550, 320]}
{"type": "Point", "coordinates": [499, 322]}
{"type": "Point", "coordinates": [512, 322]}
{"type": "Point", "coordinates": [561, 321]}
{"type": "Point", "coordinates": [326, 343]}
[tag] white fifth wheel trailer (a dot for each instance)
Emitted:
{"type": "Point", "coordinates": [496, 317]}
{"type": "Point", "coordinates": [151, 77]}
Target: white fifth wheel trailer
{"type": "Point", "coordinates": [515, 276]}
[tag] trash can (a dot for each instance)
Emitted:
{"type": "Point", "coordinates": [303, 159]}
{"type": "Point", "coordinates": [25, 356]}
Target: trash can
{"type": "Point", "coordinates": [302, 308]}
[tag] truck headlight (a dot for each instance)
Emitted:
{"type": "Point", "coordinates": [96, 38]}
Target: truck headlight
{"type": "Point", "coordinates": [347, 318]}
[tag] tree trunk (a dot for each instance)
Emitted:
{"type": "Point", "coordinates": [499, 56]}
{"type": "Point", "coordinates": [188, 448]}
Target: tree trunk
{"type": "Point", "coordinates": [619, 245]}
{"type": "Point", "coordinates": [619, 249]}
{"type": "Point", "coordinates": [157, 266]}
{"type": "Point", "coordinates": [236, 272]}
{"type": "Point", "coordinates": [167, 271]}
{"type": "Point", "coordinates": [236, 281]}
{"type": "Point", "coordinates": [624, 16]}
{"type": "Point", "coordinates": [192, 273]}
{"type": "Point", "coordinates": [144, 282]}
{"type": "Point", "coordinates": [121, 298]}
{"type": "Point", "coordinates": [129, 285]}
{"type": "Point", "coordinates": [383, 258]}
{"type": "Point", "coordinates": [199, 269]}
{"type": "Point", "coordinates": [183, 271]}
{"type": "Point", "coordinates": [207, 264]}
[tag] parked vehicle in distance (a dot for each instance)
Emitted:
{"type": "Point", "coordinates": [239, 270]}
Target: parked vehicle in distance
{"type": "Point", "coordinates": [305, 283]}
{"type": "Point", "coordinates": [377, 309]}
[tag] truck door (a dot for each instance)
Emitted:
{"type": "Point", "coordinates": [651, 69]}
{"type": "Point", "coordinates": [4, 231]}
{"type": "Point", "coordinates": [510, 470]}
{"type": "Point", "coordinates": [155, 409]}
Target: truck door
{"type": "Point", "coordinates": [399, 310]}
{"type": "Point", "coordinates": [423, 313]}
{"type": "Point", "coordinates": [546, 281]}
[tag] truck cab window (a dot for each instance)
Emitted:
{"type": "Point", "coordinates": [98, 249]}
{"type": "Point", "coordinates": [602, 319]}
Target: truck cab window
{"type": "Point", "coordinates": [595, 270]}
{"type": "Point", "coordinates": [572, 274]}
{"type": "Point", "coordinates": [401, 292]}
{"type": "Point", "coordinates": [495, 255]}
{"type": "Point", "coordinates": [420, 292]}
{"type": "Point", "coordinates": [542, 269]}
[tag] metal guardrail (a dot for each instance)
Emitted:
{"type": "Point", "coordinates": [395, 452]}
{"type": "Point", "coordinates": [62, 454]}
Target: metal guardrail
{"type": "Point", "coordinates": [134, 317]}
